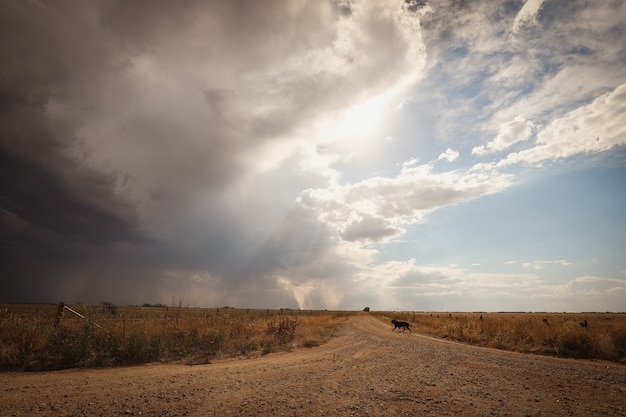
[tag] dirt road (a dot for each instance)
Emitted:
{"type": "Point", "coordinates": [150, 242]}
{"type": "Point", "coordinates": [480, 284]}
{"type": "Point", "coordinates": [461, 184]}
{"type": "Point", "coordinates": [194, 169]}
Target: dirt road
{"type": "Point", "coordinates": [366, 371]}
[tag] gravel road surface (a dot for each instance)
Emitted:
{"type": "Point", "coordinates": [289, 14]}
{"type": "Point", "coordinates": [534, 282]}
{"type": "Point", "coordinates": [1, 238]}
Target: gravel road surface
{"type": "Point", "coordinates": [366, 371]}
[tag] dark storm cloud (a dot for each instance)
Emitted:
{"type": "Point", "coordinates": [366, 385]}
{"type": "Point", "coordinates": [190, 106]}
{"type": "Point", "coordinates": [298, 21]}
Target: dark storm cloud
{"type": "Point", "coordinates": [53, 204]}
{"type": "Point", "coordinates": [68, 202]}
{"type": "Point", "coordinates": [126, 128]}
{"type": "Point", "coordinates": [48, 195]}
{"type": "Point", "coordinates": [58, 212]}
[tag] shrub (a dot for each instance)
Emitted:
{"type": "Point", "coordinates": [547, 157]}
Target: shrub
{"type": "Point", "coordinates": [573, 342]}
{"type": "Point", "coordinates": [267, 348]}
{"type": "Point", "coordinates": [283, 329]}
{"type": "Point", "coordinates": [310, 343]}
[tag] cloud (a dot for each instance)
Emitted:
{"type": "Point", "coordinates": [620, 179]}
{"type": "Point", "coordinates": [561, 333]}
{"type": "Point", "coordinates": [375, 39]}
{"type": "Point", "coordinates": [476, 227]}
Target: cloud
{"type": "Point", "coordinates": [147, 141]}
{"type": "Point", "coordinates": [592, 285]}
{"type": "Point", "coordinates": [449, 155]}
{"type": "Point", "coordinates": [592, 128]}
{"type": "Point", "coordinates": [370, 228]}
{"type": "Point", "coordinates": [405, 283]}
{"type": "Point", "coordinates": [441, 288]}
{"type": "Point", "coordinates": [510, 133]}
{"type": "Point", "coordinates": [231, 153]}
{"type": "Point", "coordinates": [206, 119]}
{"type": "Point", "coordinates": [568, 59]}
{"type": "Point", "coordinates": [527, 16]}
{"type": "Point", "coordinates": [509, 283]}
{"type": "Point", "coordinates": [537, 265]}
{"type": "Point", "coordinates": [427, 279]}
{"type": "Point", "coordinates": [591, 293]}
{"type": "Point", "coordinates": [404, 199]}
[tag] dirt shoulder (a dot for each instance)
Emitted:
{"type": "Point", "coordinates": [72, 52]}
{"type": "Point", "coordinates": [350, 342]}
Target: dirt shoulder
{"type": "Point", "coordinates": [366, 371]}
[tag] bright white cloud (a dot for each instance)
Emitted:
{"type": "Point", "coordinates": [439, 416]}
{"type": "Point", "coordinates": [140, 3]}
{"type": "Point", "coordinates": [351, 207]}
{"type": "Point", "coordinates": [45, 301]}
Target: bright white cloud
{"type": "Point", "coordinates": [556, 94]}
{"type": "Point", "coordinates": [449, 155]}
{"type": "Point", "coordinates": [404, 199]}
{"type": "Point", "coordinates": [510, 133]}
{"type": "Point", "coordinates": [596, 127]}
{"type": "Point", "coordinates": [537, 265]}
{"type": "Point", "coordinates": [593, 285]}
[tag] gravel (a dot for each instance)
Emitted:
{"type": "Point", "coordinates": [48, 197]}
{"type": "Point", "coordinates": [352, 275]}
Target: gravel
{"type": "Point", "coordinates": [366, 371]}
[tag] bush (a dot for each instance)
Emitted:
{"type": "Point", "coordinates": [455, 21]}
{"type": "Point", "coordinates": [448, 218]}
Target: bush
{"type": "Point", "coordinates": [574, 343]}
{"type": "Point", "coordinates": [283, 330]}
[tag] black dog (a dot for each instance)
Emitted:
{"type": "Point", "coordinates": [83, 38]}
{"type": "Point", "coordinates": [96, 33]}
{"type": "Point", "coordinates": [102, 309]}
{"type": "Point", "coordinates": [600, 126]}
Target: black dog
{"type": "Point", "coordinates": [400, 325]}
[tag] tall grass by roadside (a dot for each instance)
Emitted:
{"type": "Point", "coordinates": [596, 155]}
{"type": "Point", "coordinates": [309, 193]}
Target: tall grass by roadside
{"type": "Point", "coordinates": [31, 339]}
{"type": "Point", "coordinates": [604, 337]}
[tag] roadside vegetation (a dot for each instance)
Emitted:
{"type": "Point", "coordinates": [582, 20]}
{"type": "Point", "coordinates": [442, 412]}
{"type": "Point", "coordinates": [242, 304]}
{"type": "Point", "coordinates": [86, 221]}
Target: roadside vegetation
{"type": "Point", "coordinates": [581, 335]}
{"type": "Point", "coordinates": [33, 338]}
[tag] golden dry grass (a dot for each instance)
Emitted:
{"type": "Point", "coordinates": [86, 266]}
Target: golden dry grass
{"type": "Point", "coordinates": [31, 339]}
{"type": "Point", "coordinates": [559, 335]}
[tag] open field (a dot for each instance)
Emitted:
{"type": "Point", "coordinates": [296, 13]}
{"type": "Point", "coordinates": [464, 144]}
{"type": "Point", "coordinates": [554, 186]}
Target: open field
{"type": "Point", "coordinates": [31, 337]}
{"type": "Point", "coordinates": [366, 370]}
{"type": "Point", "coordinates": [554, 334]}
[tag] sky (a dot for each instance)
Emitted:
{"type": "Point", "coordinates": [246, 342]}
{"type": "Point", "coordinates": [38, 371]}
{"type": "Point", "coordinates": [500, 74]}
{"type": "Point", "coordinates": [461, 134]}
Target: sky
{"type": "Point", "coordinates": [401, 155]}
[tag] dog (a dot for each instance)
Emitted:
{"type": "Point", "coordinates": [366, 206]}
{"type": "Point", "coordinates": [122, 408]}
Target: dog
{"type": "Point", "coordinates": [401, 325]}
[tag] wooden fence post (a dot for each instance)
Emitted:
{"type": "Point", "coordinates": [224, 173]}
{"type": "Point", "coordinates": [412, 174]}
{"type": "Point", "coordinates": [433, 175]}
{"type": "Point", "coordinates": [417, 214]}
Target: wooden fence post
{"type": "Point", "coordinates": [60, 309]}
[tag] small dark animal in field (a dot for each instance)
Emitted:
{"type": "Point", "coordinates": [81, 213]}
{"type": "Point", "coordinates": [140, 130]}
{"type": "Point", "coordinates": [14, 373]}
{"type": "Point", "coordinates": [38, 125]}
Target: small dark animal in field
{"type": "Point", "coordinates": [584, 324]}
{"type": "Point", "coordinates": [400, 325]}
{"type": "Point", "coordinates": [545, 321]}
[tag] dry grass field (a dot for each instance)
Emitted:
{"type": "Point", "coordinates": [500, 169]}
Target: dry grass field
{"type": "Point", "coordinates": [365, 370]}
{"type": "Point", "coordinates": [31, 337]}
{"type": "Point", "coordinates": [555, 334]}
